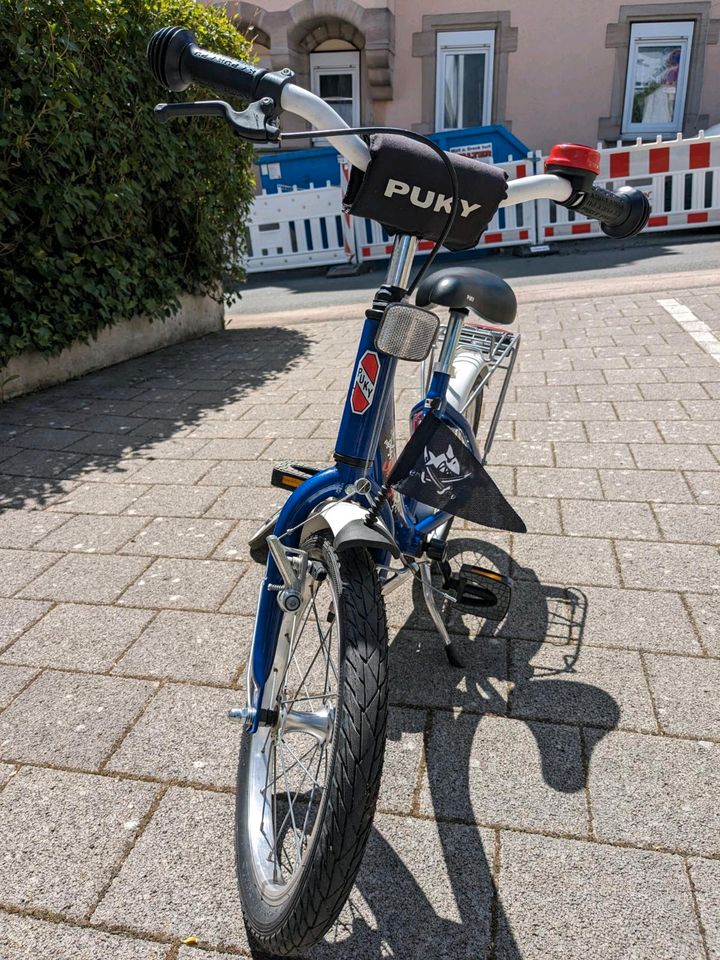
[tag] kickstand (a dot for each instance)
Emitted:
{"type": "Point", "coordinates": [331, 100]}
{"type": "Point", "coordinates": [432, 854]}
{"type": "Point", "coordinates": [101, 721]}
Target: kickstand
{"type": "Point", "coordinates": [429, 594]}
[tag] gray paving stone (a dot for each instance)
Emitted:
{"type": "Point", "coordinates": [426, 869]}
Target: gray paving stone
{"type": "Point", "coordinates": [502, 772]}
{"type": "Point", "coordinates": [705, 611]}
{"type": "Point", "coordinates": [93, 534]}
{"type": "Point", "coordinates": [78, 637]}
{"type": "Point", "coordinates": [102, 498]}
{"type": "Point", "coordinates": [657, 792]}
{"type": "Point", "coordinates": [661, 486]}
{"type": "Point", "coordinates": [172, 471]}
{"type": "Point", "coordinates": [581, 455]}
{"type": "Point", "coordinates": [16, 616]}
{"type": "Point", "coordinates": [541, 514]}
{"type": "Point", "coordinates": [7, 771]}
{"type": "Point", "coordinates": [635, 620]}
{"type": "Point", "coordinates": [223, 429]}
{"type": "Point", "coordinates": [558, 482]}
{"type": "Point", "coordinates": [64, 836]}
{"type": "Point", "coordinates": [631, 521]}
{"type": "Point", "coordinates": [177, 537]}
{"type": "Point", "coordinates": [40, 463]}
{"type": "Point", "coordinates": [518, 453]}
{"type": "Point", "coordinates": [706, 883]}
{"type": "Point", "coordinates": [558, 430]}
{"type": "Point", "coordinates": [47, 438]}
{"type": "Point", "coordinates": [26, 938]}
{"type": "Point", "coordinates": [194, 894]}
{"type": "Point", "coordinates": [174, 501]}
{"type": "Point", "coordinates": [424, 678]}
{"type": "Point", "coordinates": [628, 431]}
{"type": "Point", "coordinates": [184, 736]}
{"type": "Point", "coordinates": [568, 561]}
{"type": "Point", "coordinates": [12, 681]}
{"type": "Point", "coordinates": [21, 530]}
{"type": "Point", "coordinates": [619, 904]}
{"type": "Point", "coordinates": [235, 545]}
{"type": "Point", "coordinates": [248, 503]}
{"type": "Point", "coordinates": [586, 686]}
{"type": "Point", "coordinates": [190, 646]}
{"type": "Point", "coordinates": [20, 567]}
{"type": "Point", "coordinates": [673, 456]}
{"type": "Point", "coordinates": [238, 473]}
{"type": "Point", "coordinates": [685, 690]}
{"type": "Point", "coordinates": [704, 485]}
{"type": "Point", "coordinates": [586, 412]}
{"type": "Point", "coordinates": [70, 719]}
{"type": "Point", "coordinates": [288, 429]}
{"type": "Point", "coordinates": [311, 449]}
{"type": "Point", "coordinates": [403, 752]}
{"type": "Point", "coordinates": [689, 522]}
{"type": "Point", "coordinates": [439, 875]}
{"type": "Point", "coordinates": [689, 431]}
{"type": "Point", "coordinates": [86, 578]}
{"type": "Point", "coordinates": [244, 597]}
{"type": "Point", "coordinates": [183, 584]}
{"type": "Point", "coordinates": [671, 566]}
{"type": "Point", "coordinates": [235, 449]}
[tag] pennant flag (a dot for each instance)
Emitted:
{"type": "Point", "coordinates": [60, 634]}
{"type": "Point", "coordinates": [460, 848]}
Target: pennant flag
{"type": "Point", "coordinates": [436, 468]}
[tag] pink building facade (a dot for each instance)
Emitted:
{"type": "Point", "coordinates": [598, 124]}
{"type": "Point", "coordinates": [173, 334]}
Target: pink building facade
{"type": "Point", "coordinates": [566, 70]}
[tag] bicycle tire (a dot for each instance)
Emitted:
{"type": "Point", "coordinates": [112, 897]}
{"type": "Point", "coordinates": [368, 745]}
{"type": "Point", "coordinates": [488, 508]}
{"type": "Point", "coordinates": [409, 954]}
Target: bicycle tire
{"type": "Point", "coordinates": [345, 815]}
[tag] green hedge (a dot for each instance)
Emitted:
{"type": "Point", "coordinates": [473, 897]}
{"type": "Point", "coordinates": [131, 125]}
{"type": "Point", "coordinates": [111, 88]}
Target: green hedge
{"type": "Point", "coordinates": [103, 213]}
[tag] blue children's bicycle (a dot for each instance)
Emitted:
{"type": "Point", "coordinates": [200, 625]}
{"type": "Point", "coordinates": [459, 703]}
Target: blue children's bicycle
{"type": "Point", "coordinates": [317, 683]}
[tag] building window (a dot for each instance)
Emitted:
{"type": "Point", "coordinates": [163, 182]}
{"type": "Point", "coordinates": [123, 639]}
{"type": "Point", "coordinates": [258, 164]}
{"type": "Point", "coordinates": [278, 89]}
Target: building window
{"type": "Point", "coordinates": [464, 79]}
{"type": "Point", "coordinates": [657, 77]}
{"type": "Point", "coordinates": [335, 76]}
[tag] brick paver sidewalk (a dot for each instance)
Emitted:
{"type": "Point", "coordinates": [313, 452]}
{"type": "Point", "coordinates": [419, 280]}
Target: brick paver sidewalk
{"type": "Point", "coordinates": [557, 798]}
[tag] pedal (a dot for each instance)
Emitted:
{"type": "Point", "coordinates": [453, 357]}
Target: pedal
{"type": "Point", "coordinates": [288, 476]}
{"type": "Point", "coordinates": [480, 591]}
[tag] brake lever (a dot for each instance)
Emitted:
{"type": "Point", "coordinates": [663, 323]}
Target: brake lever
{"type": "Point", "coordinates": [257, 123]}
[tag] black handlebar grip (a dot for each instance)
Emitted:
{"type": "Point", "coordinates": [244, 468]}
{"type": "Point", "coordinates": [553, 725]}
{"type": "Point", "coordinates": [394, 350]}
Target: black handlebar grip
{"type": "Point", "coordinates": [176, 61]}
{"type": "Point", "coordinates": [622, 214]}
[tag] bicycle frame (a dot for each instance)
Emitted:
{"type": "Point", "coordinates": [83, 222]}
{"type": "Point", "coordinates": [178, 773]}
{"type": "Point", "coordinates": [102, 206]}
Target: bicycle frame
{"type": "Point", "coordinates": [358, 454]}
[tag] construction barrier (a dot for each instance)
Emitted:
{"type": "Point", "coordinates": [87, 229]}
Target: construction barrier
{"type": "Point", "coordinates": [303, 228]}
{"type": "Point", "coordinates": [680, 177]}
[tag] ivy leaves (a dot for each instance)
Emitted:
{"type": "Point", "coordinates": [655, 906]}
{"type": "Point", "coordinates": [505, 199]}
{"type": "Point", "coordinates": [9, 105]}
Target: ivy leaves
{"type": "Point", "coordinates": [104, 214]}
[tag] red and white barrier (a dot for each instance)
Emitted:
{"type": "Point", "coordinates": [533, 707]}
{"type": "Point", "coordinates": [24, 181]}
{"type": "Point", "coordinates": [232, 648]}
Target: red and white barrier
{"type": "Point", "coordinates": [680, 177]}
{"type": "Point", "coordinates": [308, 227]}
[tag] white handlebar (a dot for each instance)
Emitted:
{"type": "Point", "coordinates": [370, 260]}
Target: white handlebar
{"type": "Point", "coordinates": [321, 115]}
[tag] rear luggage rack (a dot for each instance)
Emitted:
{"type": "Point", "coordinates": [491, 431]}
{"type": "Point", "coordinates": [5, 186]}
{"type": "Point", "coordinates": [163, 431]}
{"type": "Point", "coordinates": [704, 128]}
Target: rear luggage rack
{"type": "Point", "coordinates": [498, 348]}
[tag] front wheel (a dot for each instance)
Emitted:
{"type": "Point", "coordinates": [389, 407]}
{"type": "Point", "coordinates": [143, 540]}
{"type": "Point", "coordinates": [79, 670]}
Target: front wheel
{"type": "Point", "coordinates": [307, 786]}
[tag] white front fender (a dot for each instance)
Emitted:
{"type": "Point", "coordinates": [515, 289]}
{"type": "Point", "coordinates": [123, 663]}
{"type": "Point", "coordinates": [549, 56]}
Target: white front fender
{"type": "Point", "coordinates": [346, 523]}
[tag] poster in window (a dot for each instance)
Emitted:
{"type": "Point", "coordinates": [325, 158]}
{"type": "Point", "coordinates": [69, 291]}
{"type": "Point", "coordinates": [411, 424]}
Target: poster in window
{"type": "Point", "coordinates": [656, 81]}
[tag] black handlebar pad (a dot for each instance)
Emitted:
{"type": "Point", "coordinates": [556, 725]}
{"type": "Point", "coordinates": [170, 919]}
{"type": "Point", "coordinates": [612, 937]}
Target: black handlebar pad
{"type": "Point", "coordinates": [176, 61]}
{"type": "Point", "coordinates": [622, 214]}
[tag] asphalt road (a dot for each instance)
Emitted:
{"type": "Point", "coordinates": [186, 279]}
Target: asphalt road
{"type": "Point", "coordinates": [573, 269]}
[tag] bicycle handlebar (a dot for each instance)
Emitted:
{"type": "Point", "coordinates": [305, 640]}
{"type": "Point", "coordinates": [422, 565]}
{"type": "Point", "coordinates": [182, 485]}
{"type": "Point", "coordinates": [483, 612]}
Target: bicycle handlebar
{"type": "Point", "coordinates": [622, 214]}
{"type": "Point", "coordinates": [176, 61]}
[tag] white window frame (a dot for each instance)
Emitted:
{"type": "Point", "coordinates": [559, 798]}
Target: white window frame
{"type": "Point", "coordinates": [467, 41]}
{"type": "Point", "coordinates": [333, 62]}
{"type": "Point", "coordinates": [679, 32]}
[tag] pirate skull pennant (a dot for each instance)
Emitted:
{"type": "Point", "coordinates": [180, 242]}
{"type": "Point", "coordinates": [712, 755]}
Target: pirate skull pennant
{"type": "Point", "coordinates": [436, 468]}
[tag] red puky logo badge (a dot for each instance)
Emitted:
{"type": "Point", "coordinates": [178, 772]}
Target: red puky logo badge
{"type": "Point", "coordinates": [365, 380]}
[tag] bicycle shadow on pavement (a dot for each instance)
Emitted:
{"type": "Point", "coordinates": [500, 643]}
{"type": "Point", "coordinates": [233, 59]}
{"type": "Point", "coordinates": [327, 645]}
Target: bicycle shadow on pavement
{"type": "Point", "coordinates": [430, 887]}
{"type": "Point", "coordinates": [107, 424]}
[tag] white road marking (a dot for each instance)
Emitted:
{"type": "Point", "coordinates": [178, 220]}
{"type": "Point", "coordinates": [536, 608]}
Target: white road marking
{"type": "Point", "coordinates": [698, 329]}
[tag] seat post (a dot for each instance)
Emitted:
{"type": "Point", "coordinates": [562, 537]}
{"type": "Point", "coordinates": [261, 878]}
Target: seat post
{"type": "Point", "coordinates": [452, 336]}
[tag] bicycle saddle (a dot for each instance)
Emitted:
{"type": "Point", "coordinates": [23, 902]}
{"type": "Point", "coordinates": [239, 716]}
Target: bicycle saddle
{"type": "Point", "coordinates": [468, 288]}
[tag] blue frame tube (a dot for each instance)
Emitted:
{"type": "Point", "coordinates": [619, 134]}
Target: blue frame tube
{"type": "Point", "coordinates": [357, 453]}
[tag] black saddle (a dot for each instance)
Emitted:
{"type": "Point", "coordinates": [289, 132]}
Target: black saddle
{"type": "Point", "coordinates": [468, 288]}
